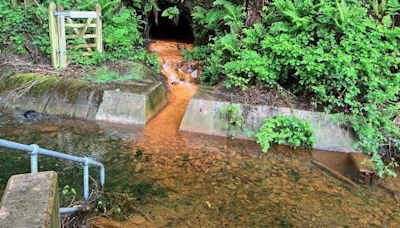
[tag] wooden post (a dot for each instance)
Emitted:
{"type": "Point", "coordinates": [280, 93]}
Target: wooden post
{"type": "Point", "coordinates": [99, 30]}
{"type": "Point", "coordinates": [62, 40]}
{"type": "Point", "coordinates": [53, 35]}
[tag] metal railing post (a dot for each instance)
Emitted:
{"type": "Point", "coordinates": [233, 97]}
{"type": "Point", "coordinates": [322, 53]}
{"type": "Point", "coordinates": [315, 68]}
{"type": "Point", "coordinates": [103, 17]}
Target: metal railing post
{"type": "Point", "coordinates": [86, 178]}
{"type": "Point", "coordinates": [34, 150]}
{"type": "Point", "coordinates": [102, 177]}
{"type": "Point", "coordinates": [34, 158]}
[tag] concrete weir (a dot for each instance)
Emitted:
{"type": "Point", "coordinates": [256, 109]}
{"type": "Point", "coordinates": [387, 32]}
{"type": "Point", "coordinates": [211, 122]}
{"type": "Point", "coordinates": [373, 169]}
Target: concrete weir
{"type": "Point", "coordinates": [131, 102]}
{"type": "Point", "coordinates": [203, 116]}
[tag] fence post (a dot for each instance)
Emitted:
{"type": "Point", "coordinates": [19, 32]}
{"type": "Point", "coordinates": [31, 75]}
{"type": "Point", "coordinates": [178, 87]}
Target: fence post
{"type": "Point", "coordinates": [99, 30]}
{"type": "Point", "coordinates": [53, 35]}
{"type": "Point", "coordinates": [62, 40]}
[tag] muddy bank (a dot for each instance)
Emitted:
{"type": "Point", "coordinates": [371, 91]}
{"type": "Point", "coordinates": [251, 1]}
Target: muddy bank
{"type": "Point", "coordinates": [131, 102]}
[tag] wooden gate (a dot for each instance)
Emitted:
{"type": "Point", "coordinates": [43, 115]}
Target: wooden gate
{"type": "Point", "coordinates": [63, 28]}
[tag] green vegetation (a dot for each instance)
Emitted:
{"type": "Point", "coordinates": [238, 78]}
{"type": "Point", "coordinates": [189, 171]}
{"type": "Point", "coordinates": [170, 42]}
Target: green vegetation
{"type": "Point", "coordinates": [285, 130]}
{"type": "Point", "coordinates": [343, 55]}
{"type": "Point", "coordinates": [103, 75]}
{"type": "Point", "coordinates": [234, 121]}
{"type": "Point", "coordinates": [25, 29]}
{"type": "Point", "coordinates": [172, 13]}
{"type": "Point", "coordinates": [21, 27]}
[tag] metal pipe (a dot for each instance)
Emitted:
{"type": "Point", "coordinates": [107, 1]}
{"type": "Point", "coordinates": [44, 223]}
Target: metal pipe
{"type": "Point", "coordinates": [34, 158]}
{"type": "Point", "coordinates": [86, 179]}
{"type": "Point", "coordinates": [70, 210]}
{"type": "Point", "coordinates": [102, 177]}
{"type": "Point", "coordinates": [18, 146]}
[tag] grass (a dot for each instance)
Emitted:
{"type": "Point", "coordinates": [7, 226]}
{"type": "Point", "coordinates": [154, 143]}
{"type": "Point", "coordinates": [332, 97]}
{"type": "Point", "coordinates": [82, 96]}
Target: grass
{"type": "Point", "coordinates": [102, 75]}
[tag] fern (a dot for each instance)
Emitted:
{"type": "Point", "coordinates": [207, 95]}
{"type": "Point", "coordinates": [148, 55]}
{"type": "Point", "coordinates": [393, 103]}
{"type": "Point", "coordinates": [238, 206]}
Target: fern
{"type": "Point", "coordinates": [172, 13]}
{"type": "Point", "coordinates": [342, 54]}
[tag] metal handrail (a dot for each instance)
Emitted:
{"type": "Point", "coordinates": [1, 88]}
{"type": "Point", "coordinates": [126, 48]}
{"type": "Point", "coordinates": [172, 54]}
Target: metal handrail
{"type": "Point", "coordinates": [34, 150]}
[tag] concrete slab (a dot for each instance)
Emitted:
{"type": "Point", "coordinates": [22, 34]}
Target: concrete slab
{"type": "Point", "coordinates": [31, 200]}
{"type": "Point", "coordinates": [203, 116]}
{"type": "Point", "coordinates": [133, 102]}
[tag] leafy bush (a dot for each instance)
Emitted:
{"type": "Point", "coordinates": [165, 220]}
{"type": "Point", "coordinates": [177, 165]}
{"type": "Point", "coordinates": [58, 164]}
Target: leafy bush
{"type": "Point", "coordinates": [343, 55]}
{"type": "Point", "coordinates": [122, 31]}
{"type": "Point", "coordinates": [285, 130]}
{"type": "Point", "coordinates": [11, 20]}
{"type": "Point", "coordinates": [18, 27]}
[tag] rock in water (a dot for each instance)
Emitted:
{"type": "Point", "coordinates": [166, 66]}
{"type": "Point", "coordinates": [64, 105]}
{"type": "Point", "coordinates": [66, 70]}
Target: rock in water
{"type": "Point", "coordinates": [194, 74]}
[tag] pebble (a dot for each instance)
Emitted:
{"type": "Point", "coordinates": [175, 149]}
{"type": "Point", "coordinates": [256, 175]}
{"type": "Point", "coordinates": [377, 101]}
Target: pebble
{"type": "Point", "coordinates": [136, 219]}
{"type": "Point", "coordinates": [234, 165]}
{"type": "Point", "coordinates": [138, 167]}
{"type": "Point", "coordinates": [231, 186]}
{"type": "Point", "coordinates": [215, 169]}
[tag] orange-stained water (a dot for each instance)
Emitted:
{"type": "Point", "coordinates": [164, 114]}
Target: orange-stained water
{"type": "Point", "coordinates": [166, 179]}
{"type": "Point", "coordinates": [218, 182]}
{"type": "Point", "coordinates": [163, 129]}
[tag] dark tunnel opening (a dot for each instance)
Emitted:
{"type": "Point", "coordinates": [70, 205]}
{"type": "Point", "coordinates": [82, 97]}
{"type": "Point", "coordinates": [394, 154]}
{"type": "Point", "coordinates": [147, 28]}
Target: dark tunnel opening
{"type": "Point", "coordinates": [166, 29]}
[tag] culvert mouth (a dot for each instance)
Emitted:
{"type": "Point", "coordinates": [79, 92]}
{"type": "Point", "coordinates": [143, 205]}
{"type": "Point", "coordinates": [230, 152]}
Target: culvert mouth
{"type": "Point", "coordinates": [167, 29]}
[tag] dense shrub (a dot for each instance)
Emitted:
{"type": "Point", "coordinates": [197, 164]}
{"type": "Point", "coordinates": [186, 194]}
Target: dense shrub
{"type": "Point", "coordinates": [19, 26]}
{"type": "Point", "coordinates": [11, 31]}
{"type": "Point", "coordinates": [344, 55]}
{"type": "Point", "coordinates": [285, 130]}
{"type": "Point", "coordinates": [122, 30]}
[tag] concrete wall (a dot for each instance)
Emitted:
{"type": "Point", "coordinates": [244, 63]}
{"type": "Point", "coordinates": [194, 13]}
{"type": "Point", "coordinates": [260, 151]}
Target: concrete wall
{"type": "Point", "coordinates": [203, 116]}
{"type": "Point", "coordinates": [31, 200]}
{"type": "Point", "coordinates": [128, 103]}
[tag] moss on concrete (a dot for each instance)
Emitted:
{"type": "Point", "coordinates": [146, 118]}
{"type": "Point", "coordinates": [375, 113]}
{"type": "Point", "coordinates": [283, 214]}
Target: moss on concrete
{"type": "Point", "coordinates": [79, 98]}
{"type": "Point", "coordinates": [122, 72]}
{"type": "Point", "coordinates": [71, 89]}
{"type": "Point", "coordinates": [16, 81]}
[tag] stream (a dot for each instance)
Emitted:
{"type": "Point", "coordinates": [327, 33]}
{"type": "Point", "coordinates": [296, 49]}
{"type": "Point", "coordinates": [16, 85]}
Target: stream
{"type": "Point", "coordinates": [160, 177]}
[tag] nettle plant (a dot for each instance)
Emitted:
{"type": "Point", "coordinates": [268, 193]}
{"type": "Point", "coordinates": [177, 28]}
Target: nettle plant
{"type": "Point", "coordinates": [343, 55]}
{"type": "Point", "coordinates": [285, 130]}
